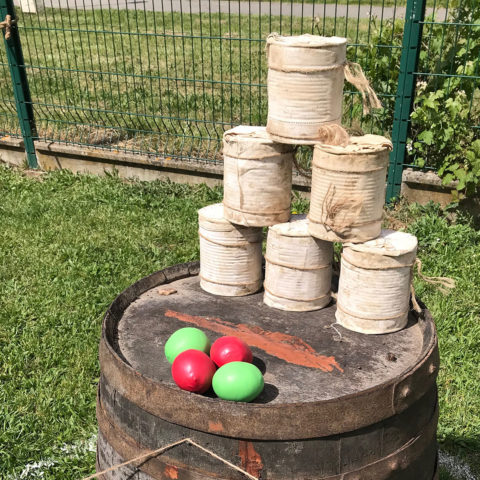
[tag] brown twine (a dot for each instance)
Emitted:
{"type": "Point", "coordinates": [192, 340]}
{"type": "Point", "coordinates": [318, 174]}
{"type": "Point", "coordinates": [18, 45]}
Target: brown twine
{"type": "Point", "coordinates": [256, 157]}
{"type": "Point", "coordinates": [229, 284]}
{"type": "Point", "coordinates": [167, 447]}
{"type": "Point", "coordinates": [378, 268]}
{"type": "Point", "coordinates": [344, 310]}
{"type": "Point", "coordinates": [296, 267]}
{"type": "Point", "coordinates": [337, 170]}
{"type": "Point", "coordinates": [308, 70]}
{"type": "Point", "coordinates": [354, 75]}
{"type": "Point", "coordinates": [7, 24]}
{"type": "Point", "coordinates": [443, 284]}
{"type": "Point", "coordinates": [263, 212]}
{"type": "Point", "coordinates": [355, 225]}
{"type": "Point", "coordinates": [277, 295]}
{"type": "Point", "coordinates": [228, 245]}
{"type": "Point", "coordinates": [332, 208]}
{"type": "Point", "coordinates": [415, 304]}
{"type": "Point", "coordinates": [333, 134]}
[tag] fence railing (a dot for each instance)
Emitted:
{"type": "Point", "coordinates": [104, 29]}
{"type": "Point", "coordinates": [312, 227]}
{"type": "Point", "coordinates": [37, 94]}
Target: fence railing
{"type": "Point", "coordinates": [168, 77]}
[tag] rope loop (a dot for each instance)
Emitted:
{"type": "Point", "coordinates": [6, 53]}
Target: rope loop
{"type": "Point", "coordinates": [443, 284]}
{"type": "Point", "coordinates": [148, 455]}
{"type": "Point", "coordinates": [7, 25]}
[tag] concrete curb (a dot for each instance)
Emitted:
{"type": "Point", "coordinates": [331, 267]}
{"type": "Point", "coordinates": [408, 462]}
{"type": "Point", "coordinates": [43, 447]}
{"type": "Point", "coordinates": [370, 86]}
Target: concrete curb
{"type": "Point", "coordinates": [79, 159]}
{"type": "Point", "coordinates": [12, 151]}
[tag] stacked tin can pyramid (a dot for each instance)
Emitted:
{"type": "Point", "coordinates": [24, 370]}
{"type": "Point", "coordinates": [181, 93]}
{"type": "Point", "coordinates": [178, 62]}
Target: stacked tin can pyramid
{"type": "Point", "coordinates": [305, 88]}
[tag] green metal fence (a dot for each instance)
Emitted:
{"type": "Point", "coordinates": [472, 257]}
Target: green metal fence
{"type": "Point", "coordinates": [167, 77]}
{"type": "Point", "coordinates": [8, 114]}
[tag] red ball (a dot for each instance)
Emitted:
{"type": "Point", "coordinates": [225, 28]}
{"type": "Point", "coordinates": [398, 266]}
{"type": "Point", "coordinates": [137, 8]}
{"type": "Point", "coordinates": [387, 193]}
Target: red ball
{"type": "Point", "coordinates": [193, 370]}
{"type": "Point", "coordinates": [230, 349]}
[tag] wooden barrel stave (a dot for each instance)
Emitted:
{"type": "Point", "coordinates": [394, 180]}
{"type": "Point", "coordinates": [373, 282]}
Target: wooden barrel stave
{"type": "Point", "coordinates": [132, 420]}
{"type": "Point", "coordinates": [416, 460]}
{"type": "Point", "coordinates": [400, 439]}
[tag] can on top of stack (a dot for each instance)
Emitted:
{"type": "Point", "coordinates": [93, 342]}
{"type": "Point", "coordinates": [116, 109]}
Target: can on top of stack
{"type": "Point", "coordinates": [230, 255]}
{"type": "Point", "coordinates": [374, 287]}
{"type": "Point", "coordinates": [305, 86]}
{"type": "Point", "coordinates": [257, 177]}
{"type": "Point", "coordinates": [348, 189]}
{"type": "Point", "coordinates": [298, 267]}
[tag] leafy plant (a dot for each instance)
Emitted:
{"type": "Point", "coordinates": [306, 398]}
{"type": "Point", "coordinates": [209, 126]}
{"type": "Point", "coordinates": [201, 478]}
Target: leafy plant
{"type": "Point", "coordinates": [380, 61]}
{"type": "Point", "coordinates": [446, 106]}
{"type": "Point", "coordinates": [447, 99]}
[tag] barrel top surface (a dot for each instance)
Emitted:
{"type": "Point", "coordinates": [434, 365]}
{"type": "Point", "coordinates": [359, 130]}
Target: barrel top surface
{"type": "Point", "coordinates": [297, 226]}
{"type": "Point", "coordinates": [320, 379]}
{"type": "Point", "coordinates": [390, 243]}
{"type": "Point", "coordinates": [305, 356]}
{"type": "Point", "coordinates": [365, 144]}
{"type": "Point", "coordinates": [305, 40]}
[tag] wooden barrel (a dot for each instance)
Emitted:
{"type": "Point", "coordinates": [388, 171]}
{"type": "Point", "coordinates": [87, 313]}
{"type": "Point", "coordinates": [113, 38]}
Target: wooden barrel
{"type": "Point", "coordinates": [337, 404]}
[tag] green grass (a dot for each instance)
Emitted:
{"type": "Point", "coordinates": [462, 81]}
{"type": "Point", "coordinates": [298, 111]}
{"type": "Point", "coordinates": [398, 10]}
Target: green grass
{"type": "Point", "coordinates": [69, 244]}
{"type": "Point", "coordinates": [146, 81]}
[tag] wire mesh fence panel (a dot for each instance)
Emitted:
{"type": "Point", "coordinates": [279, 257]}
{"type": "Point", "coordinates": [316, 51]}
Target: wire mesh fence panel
{"type": "Point", "coordinates": [445, 122]}
{"type": "Point", "coordinates": [167, 77]}
{"type": "Point", "coordinates": [9, 124]}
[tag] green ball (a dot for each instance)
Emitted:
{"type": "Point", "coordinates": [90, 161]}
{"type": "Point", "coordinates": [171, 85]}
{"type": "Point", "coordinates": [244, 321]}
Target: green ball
{"type": "Point", "coordinates": [238, 382]}
{"type": "Point", "coordinates": [185, 339]}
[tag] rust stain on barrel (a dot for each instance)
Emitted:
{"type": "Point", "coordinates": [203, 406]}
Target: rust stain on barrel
{"type": "Point", "coordinates": [251, 460]}
{"type": "Point", "coordinates": [215, 427]}
{"type": "Point", "coordinates": [171, 472]}
{"type": "Point", "coordinates": [286, 347]}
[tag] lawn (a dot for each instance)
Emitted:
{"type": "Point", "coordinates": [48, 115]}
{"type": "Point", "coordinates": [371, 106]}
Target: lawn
{"type": "Point", "coordinates": [70, 243]}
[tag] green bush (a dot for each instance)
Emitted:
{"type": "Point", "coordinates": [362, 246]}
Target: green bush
{"type": "Point", "coordinates": [446, 106]}
{"type": "Point", "coordinates": [380, 62]}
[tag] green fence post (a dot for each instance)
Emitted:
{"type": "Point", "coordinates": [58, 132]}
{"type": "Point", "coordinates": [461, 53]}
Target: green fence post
{"type": "Point", "coordinates": [21, 90]}
{"type": "Point", "coordinates": [412, 38]}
